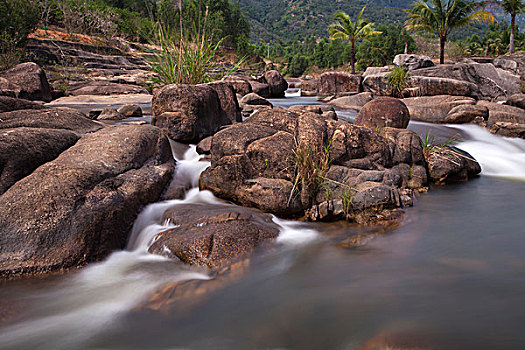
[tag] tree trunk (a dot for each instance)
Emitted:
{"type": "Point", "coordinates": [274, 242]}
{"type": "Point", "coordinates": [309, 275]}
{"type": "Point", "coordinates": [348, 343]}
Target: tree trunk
{"type": "Point", "coordinates": [406, 47]}
{"type": "Point", "coordinates": [487, 48]}
{"type": "Point", "coordinates": [512, 25]}
{"type": "Point", "coordinates": [352, 57]}
{"type": "Point", "coordinates": [442, 42]}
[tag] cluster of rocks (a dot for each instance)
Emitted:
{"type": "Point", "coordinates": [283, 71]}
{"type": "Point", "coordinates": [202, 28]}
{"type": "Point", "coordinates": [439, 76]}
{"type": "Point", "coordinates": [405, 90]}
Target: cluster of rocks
{"type": "Point", "coordinates": [486, 93]}
{"type": "Point", "coordinates": [71, 188]}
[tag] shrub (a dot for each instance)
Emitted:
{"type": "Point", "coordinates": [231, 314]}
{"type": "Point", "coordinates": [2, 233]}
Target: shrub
{"type": "Point", "coordinates": [397, 79]}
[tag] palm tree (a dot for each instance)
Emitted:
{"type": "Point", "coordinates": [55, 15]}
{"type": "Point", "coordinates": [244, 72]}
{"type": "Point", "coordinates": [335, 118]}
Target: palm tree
{"type": "Point", "coordinates": [345, 29]}
{"type": "Point", "coordinates": [512, 7]}
{"type": "Point", "coordinates": [443, 16]}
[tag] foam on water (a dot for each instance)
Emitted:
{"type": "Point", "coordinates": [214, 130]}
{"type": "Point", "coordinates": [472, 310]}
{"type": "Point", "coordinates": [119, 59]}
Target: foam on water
{"type": "Point", "coordinates": [498, 156]}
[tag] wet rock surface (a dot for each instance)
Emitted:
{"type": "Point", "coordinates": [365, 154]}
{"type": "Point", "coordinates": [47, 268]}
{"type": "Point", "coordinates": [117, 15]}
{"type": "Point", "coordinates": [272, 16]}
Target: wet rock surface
{"type": "Point", "coordinates": [213, 235]}
{"type": "Point", "coordinates": [81, 206]}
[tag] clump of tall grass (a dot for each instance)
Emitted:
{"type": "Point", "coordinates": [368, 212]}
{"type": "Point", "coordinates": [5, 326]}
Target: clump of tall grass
{"type": "Point", "coordinates": [187, 57]}
{"type": "Point", "coordinates": [397, 79]}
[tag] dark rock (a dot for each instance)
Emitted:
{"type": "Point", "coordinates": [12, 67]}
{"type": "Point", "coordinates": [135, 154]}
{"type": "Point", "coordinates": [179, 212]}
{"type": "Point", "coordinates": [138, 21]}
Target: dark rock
{"type": "Point", "coordinates": [228, 99]}
{"type": "Point", "coordinates": [411, 62]}
{"type": "Point", "coordinates": [189, 113]}
{"type": "Point", "coordinates": [204, 147]}
{"type": "Point", "coordinates": [213, 235]}
{"type": "Point", "coordinates": [508, 129]}
{"type": "Point", "coordinates": [9, 89]}
{"type": "Point", "coordinates": [49, 118]}
{"type": "Point", "coordinates": [81, 206]}
{"type": "Point", "coordinates": [310, 87]}
{"type": "Point", "coordinates": [130, 111]}
{"type": "Point", "coordinates": [466, 114]}
{"type": "Point", "coordinates": [334, 83]}
{"type": "Point", "coordinates": [260, 89]}
{"type": "Point", "coordinates": [110, 114]}
{"type": "Point", "coordinates": [22, 150]}
{"type": "Point", "coordinates": [8, 104]}
{"type": "Point", "coordinates": [31, 79]}
{"type": "Point", "coordinates": [383, 112]}
{"type": "Point", "coordinates": [104, 88]}
{"type": "Point", "coordinates": [240, 84]}
{"type": "Point", "coordinates": [276, 83]}
{"type": "Point", "coordinates": [252, 99]}
{"type": "Point", "coordinates": [516, 100]}
{"type": "Point", "coordinates": [450, 164]}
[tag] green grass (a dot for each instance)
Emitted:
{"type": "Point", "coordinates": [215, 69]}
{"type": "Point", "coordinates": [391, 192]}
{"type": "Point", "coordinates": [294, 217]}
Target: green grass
{"type": "Point", "coordinates": [397, 79]}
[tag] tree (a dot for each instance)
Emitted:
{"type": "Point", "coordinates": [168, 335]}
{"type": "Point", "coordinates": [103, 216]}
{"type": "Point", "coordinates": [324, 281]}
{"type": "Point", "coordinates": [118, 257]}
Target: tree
{"type": "Point", "coordinates": [350, 31]}
{"type": "Point", "coordinates": [441, 17]}
{"type": "Point", "coordinates": [512, 7]}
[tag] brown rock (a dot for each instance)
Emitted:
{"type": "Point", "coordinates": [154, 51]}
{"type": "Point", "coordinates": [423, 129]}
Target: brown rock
{"type": "Point", "coordinates": [31, 79]}
{"type": "Point", "coordinates": [503, 113]}
{"type": "Point", "coordinates": [49, 118]}
{"type": "Point", "coordinates": [22, 150]}
{"type": "Point", "coordinates": [352, 102]}
{"type": "Point", "coordinates": [333, 83]}
{"type": "Point", "coordinates": [130, 111]}
{"type": "Point", "coordinates": [260, 89]}
{"type": "Point", "coordinates": [240, 84]}
{"type": "Point", "coordinates": [516, 100]}
{"type": "Point", "coordinates": [110, 114]}
{"type": "Point", "coordinates": [276, 83]}
{"type": "Point", "coordinates": [433, 86]}
{"type": "Point", "coordinates": [204, 147]}
{"type": "Point", "coordinates": [384, 112]}
{"type": "Point", "coordinates": [450, 164]}
{"type": "Point", "coordinates": [228, 99]}
{"type": "Point", "coordinates": [189, 113]}
{"type": "Point", "coordinates": [434, 109]}
{"type": "Point", "coordinates": [104, 88]}
{"type": "Point", "coordinates": [252, 99]}
{"type": "Point", "coordinates": [8, 104]}
{"type": "Point", "coordinates": [213, 235]}
{"type": "Point", "coordinates": [81, 206]}
{"type": "Point", "coordinates": [309, 87]}
{"type": "Point", "coordinates": [466, 113]}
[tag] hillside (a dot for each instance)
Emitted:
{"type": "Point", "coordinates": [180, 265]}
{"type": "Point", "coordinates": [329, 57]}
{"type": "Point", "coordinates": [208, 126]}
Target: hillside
{"type": "Point", "coordinates": [293, 19]}
{"type": "Point", "coordinates": [296, 19]}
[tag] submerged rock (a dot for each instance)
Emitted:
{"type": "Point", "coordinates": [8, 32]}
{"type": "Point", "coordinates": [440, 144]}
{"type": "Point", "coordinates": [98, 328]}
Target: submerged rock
{"type": "Point", "coordinates": [81, 206]}
{"type": "Point", "coordinates": [213, 235]}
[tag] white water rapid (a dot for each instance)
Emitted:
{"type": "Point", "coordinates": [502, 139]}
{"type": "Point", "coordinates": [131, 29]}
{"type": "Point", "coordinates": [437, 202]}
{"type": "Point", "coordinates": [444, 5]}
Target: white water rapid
{"type": "Point", "coordinates": [70, 313]}
{"type": "Point", "coordinates": [498, 156]}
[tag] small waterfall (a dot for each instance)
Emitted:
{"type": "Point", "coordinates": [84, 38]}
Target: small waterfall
{"type": "Point", "coordinates": [294, 92]}
{"type": "Point", "coordinates": [498, 156]}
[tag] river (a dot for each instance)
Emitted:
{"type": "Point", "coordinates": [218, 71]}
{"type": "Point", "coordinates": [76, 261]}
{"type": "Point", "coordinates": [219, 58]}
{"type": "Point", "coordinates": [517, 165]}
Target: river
{"type": "Point", "coordinates": [451, 277]}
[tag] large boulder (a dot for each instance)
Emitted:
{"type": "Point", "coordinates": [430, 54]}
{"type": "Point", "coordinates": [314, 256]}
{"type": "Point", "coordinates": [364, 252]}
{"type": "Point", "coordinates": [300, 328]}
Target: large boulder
{"type": "Point", "coordinates": [514, 63]}
{"type": "Point", "coordinates": [336, 83]}
{"type": "Point", "coordinates": [411, 62]}
{"type": "Point", "coordinates": [261, 89]}
{"type": "Point", "coordinates": [189, 113]}
{"type": "Point", "coordinates": [130, 110]}
{"type": "Point", "coordinates": [31, 79]}
{"type": "Point", "coordinates": [376, 81]}
{"type": "Point", "coordinates": [450, 164]}
{"type": "Point", "coordinates": [99, 87]}
{"type": "Point", "coordinates": [213, 235]}
{"type": "Point", "coordinates": [310, 87]}
{"type": "Point", "coordinates": [434, 109]}
{"type": "Point", "coordinates": [252, 99]}
{"type": "Point", "coordinates": [434, 86]}
{"type": "Point", "coordinates": [22, 150]}
{"type": "Point", "coordinates": [484, 80]}
{"type": "Point", "coordinates": [466, 113]}
{"type": "Point", "coordinates": [8, 104]}
{"type": "Point", "coordinates": [82, 205]}
{"type": "Point", "coordinates": [508, 129]}
{"type": "Point", "coordinates": [110, 114]}
{"type": "Point", "coordinates": [352, 102]}
{"type": "Point", "coordinates": [228, 99]}
{"type": "Point", "coordinates": [240, 84]}
{"type": "Point", "coordinates": [9, 89]}
{"type": "Point", "coordinates": [384, 112]}
{"type": "Point", "coordinates": [49, 118]}
{"type": "Point", "coordinates": [276, 83]}
{"type": "Point", "coordinates": [503, 113]}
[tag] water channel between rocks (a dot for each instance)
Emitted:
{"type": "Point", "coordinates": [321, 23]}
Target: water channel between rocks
{"type": "Point", "coordinates": [451, 277]}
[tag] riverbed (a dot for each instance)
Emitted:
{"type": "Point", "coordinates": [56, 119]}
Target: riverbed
{"type": "Point", "coordinates": [452, 276]}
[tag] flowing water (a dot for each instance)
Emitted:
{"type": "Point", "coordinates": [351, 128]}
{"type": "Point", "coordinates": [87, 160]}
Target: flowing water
{"type": "Point", "coordinates": [451, 277]}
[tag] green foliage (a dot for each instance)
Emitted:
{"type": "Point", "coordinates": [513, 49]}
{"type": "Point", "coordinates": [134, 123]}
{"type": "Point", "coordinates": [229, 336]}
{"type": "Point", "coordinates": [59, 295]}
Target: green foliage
{"type": "Point", "coordinates": [297, 65]}
{"type": "Point", "coordinates": [380, 50]}
{"type": "Point", "coordinates": [441, 17]}
{"type": "Point", "coordinates": [17, 20]}
{"type": "Point", "coordinates": [351, 31]}
{"type": "Point", "coordinates": [397, 79]}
